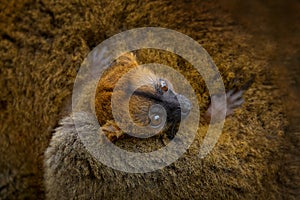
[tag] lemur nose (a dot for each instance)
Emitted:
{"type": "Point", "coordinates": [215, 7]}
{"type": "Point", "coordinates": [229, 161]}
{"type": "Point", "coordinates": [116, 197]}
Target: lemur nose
{"type": "Point", "coordinates": [185, 105]}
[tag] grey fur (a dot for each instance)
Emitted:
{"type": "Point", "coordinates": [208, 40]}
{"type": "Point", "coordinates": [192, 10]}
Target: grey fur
{"type": "Point", "coordinates": [71, 172]}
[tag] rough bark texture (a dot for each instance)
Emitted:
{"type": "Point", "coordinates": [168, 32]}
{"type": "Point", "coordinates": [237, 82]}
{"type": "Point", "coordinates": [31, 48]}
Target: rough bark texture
{"type": "Point", "coordinates": [43, 44]}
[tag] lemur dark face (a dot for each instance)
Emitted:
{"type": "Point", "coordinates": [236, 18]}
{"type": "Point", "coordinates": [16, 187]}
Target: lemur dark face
{"type": "Point", "coordinates": [176, 105]}
{"type": "Point", "coordinates": [166, 105]}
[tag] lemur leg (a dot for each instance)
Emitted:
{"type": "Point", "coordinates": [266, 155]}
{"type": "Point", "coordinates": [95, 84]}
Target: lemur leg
{"type": "Point", "coordinates": [112, 131]}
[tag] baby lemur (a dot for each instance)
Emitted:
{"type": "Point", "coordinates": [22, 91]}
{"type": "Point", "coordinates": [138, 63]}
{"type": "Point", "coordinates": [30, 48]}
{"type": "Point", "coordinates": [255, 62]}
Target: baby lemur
{"type": "Point", "coordinates": [72, 172]}
{"type": "Point", "coordinates": [153, 103]}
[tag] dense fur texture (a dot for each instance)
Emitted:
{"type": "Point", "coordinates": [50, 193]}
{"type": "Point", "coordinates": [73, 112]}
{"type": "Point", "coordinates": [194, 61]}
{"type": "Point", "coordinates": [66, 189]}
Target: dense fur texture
{"type": "Point", "coordinates": [66, 156]}
{"type": "Point", "coordinates": [139, 100]}
{"type": "Point", "coordinates": [43, 44]}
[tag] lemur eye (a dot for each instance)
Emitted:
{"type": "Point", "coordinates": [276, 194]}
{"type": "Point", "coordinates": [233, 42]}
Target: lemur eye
{"type": "Point", "coordinates": [156, 120]}
{"type": "Point", "coordinates": [157, 115]}
{"type": "Point", "coordinates": [163, 85]}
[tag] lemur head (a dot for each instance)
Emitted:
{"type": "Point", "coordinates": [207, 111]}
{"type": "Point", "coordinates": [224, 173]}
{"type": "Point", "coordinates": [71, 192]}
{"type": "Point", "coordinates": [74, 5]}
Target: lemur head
{"type": "Point", "coordinates": [153, 101]}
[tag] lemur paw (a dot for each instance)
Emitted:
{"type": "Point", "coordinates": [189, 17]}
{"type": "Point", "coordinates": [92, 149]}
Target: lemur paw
{"type": "Point", "coordinates": [112, 131]}
{"type": "Point", "coordinates": [234, 99]}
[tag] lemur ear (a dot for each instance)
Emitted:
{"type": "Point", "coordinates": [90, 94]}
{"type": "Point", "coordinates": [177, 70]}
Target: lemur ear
{"type": "Point", "coordinates": [139, 77]}
{"type": "Point", "coordinates": [127, 59]}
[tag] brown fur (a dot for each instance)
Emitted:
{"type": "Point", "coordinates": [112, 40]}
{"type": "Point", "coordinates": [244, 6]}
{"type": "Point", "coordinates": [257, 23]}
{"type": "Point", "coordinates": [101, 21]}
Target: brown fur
{"type": "Point", "coordinates": [43, 43]}
{"type": "Point", "coordinates": [141, 78]}
{"type": "Point", "coordinates": [107, 83]}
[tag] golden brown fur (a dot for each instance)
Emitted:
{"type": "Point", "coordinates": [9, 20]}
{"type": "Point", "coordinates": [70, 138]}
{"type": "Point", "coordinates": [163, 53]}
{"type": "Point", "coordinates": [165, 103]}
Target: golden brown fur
{"type": "Point", "coordinates": [138, 106]}
{"type": "Point", "coordinates": [107, 84]}
{"type": "Point", "coordinates": [43, 44]}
